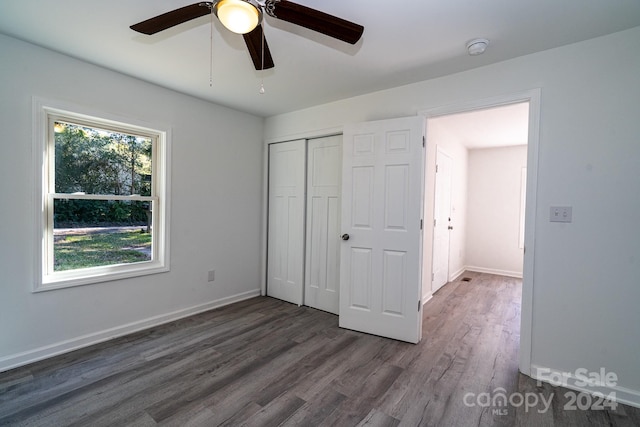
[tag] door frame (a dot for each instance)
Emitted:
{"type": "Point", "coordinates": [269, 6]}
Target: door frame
{"type": "Point", "coordinates": [533, 98]}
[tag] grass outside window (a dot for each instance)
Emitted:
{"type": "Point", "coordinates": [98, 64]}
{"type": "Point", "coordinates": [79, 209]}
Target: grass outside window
{"type": "Point", "coordinates": [73, 250]}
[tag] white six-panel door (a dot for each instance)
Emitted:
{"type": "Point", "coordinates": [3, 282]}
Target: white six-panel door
{"type": "Point", "coordinates": [285, 251]}
{"type": "Point", "coordinates": [382, 185]}
{"type": "Point", "coordinates": [322, 272]}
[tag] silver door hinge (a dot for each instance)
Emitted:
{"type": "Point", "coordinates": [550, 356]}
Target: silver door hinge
{"type": "Point", "coordinates": [424, 141]}
{"type": "Point", "coordinates": [433, 276]}
{"type": "Point", "coordinates": [420, 224]}
{"type": "Point", "coordinates": [436, 168]}
{"type": "Point", "coordinates": [419, 304]}
{"type": "Point", "coordinates": [434, 222]}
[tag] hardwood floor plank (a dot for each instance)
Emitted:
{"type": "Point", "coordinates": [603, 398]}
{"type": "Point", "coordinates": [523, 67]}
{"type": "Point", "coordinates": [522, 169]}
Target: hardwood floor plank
{"type": "Point", "coordinates": [228, 400]}
{"type": "Point", "coordinates": [200, 386]}
{"type": "Point", "coordinates": [238, 418]}
{"type": "Point", "coordinates": [137, 419]}
{"type": "Point", "coordinates": [443, 379]}
{"type": "Point", "coordinates": [357, 406]}
{"type": "Point", "coordinates": [376, 418]}
{"type": "Point", "coordinates": [315, 411]}
{"type": "Point", "coordinates": [88, 402]}
{"type": "Point", "coordinates": [171, 368]}
{"type": "Point", "coordinates": [381, 351]}
{"type": "Point", "coordinates": [297, 372]}
{"type": "Point", "coordinates": [13, 379]}
{"type": "Point", "coordinates": [364, 348]}
{"type": "Point", "coordinates": [532, 418]}
{"type": "Point", "coordinates": [231, 398]}
{"type": "Point", "coordinates": [267, 362]}
{"type": "Point", "coordinates": [66, 379]}
{"type": "Point", "coordinates": [276, 412]}
{"type": "Point", "coordinates": [493, 315]}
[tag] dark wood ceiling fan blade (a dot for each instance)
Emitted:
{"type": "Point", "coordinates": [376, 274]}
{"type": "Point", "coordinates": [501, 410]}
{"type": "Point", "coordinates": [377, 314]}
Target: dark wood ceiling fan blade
{"type": "Point", "coordinates": [173, 18]}
{"type": "Point", "coordinates": [254, 44]}
{"type": "Point", "coordinates": [321, 22]}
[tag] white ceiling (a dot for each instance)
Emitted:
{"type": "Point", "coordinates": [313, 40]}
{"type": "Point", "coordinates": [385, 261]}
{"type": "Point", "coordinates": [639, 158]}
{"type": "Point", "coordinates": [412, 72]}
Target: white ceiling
{"type": "Point", "coordinates": [488, 128]}
{"type": "Point", "coordinates": [404, 41]}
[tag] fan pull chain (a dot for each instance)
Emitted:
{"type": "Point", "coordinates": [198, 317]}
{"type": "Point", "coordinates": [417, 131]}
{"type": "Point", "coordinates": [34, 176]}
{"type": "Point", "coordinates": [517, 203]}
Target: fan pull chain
{"type": "Point", "coordinates": [211, 51]}
{"type": "Point", "coordinates": [262, 67]}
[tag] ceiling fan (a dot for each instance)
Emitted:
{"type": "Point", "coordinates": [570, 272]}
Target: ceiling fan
{"type": "Point", "coordinates": [245, 17]}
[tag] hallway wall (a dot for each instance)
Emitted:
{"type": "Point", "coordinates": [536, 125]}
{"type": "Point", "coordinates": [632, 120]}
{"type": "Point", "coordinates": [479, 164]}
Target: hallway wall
{"type": "Point", "coordinates": [493, 220]}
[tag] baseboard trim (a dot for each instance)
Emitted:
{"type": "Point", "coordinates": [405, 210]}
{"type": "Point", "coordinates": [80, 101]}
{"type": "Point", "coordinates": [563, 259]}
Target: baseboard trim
{"type": "Point", "coordinates": [24, 358]}
{"type": "Point", "coordinates": [426, 297]}
{"type": "Point", "coordinates": [454, 276]}
{"type": "Point", "coordinates": [569, 380]}
{"type": "Point", "coordinates": [517, 274]}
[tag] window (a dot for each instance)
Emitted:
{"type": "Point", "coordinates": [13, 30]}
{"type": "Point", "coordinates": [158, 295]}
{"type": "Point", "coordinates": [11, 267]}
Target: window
{"type": "Point", "coordinates": [102, 198]}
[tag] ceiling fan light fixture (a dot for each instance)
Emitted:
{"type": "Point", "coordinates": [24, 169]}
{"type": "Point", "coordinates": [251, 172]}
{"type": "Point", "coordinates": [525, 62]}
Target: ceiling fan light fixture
{"type": "Point", "coordinates": [238, 16]}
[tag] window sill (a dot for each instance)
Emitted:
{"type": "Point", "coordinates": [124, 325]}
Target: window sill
{"type": "Point", "coordinates": [62, 280]}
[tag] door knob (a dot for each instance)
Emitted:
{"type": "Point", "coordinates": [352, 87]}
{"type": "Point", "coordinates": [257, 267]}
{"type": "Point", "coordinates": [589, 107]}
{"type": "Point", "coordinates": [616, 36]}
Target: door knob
{"type": "Point", "coordinates": [345, 236]}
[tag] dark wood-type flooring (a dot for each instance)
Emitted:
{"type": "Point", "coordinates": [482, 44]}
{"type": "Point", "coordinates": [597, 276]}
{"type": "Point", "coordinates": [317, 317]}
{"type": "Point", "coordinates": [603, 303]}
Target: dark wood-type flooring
{"type": "Point", "coordinates": [267, 362]}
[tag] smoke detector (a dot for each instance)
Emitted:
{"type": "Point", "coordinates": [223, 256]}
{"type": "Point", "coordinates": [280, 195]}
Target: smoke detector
{"type": "Point", "coordinates": [477, 46]}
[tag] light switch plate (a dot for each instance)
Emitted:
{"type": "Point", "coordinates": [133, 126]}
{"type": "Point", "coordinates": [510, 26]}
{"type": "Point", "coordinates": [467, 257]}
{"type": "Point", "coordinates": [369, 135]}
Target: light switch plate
{"type": "Point", "coordinates": [560, 214]}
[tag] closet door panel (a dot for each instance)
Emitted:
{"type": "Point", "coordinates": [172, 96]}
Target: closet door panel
{"type": "Point", "coordinates": [285, 249]}
{"type": "Point", "coordinates": [324, 170]}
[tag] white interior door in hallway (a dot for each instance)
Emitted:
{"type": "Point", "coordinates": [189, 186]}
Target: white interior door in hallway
{"type": "Point", "coordinates": [382, 193]}
{"type": "Point", "coordinates": [442, 220]}
{"type": "Point", "coordinates": [304, 222]}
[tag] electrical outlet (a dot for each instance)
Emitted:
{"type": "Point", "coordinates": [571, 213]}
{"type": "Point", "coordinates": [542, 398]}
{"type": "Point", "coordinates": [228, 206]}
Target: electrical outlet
{"type": "Point", "coordinates": [560, 214]}
{"type": "Point", "coordinates": [212, 275]}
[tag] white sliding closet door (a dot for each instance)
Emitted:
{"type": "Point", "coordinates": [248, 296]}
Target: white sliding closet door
{"type": "Point", "coordinates": [285, 252]}
{"type": "Point", "coordinates": [324, 179]}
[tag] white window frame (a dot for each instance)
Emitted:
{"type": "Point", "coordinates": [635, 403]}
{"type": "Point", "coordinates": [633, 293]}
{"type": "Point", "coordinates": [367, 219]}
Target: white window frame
{"type": "Point", "coordinates": [45, 113]}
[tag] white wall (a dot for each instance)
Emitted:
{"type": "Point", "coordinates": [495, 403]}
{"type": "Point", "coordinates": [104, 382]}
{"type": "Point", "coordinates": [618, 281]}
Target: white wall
{"type": "Point", "coordinates": [493, 222]}
{"type": "Point", "coordinates": [586, 288]}
{"type": "Point", "coordinates": [215, 207]}
{"type": "Point", "coordinates": [440, 136]}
